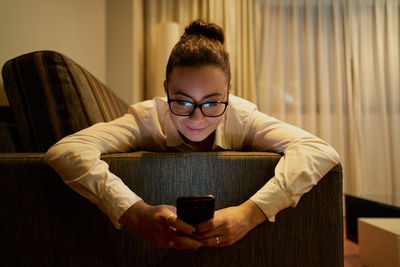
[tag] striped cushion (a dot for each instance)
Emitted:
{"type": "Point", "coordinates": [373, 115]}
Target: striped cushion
{"type": "Point", "coordinates": [51, 96]}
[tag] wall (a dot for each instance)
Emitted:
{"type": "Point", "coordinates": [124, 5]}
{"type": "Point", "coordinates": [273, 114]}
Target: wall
{"type": "Point", "coordinates": [125, 51]}
{"type": "Point", "coordinates": [76, 28]}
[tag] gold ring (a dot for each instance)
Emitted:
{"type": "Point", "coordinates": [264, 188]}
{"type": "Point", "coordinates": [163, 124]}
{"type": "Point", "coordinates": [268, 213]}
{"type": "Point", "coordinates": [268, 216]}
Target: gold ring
{"type": "Point", "coordinates": [171, 243]}
{"type": "Point", "coordinates": [217, 239]}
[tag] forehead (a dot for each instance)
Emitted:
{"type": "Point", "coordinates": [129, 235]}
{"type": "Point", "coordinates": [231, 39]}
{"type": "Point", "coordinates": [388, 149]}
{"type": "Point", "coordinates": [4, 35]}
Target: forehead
{"type": "Point", "coordinates": [205, 77]}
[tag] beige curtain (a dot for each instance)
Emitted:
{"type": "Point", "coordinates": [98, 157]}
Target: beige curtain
{"type": "Point", "coordinates": [328, 66]}
{"type": "Point", "coordinates": [374, 50]}
{"type": "Point", "coordinates": [332, 68]}
{"type": "Point", "coordinates": [235, 16]}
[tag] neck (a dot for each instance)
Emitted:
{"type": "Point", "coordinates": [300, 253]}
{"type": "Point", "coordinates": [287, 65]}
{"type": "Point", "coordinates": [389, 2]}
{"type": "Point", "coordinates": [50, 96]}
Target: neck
{"type": "Point", "coordinates": [205, 145]}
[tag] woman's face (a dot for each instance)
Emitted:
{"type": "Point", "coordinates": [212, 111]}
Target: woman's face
{"type": "Point", "coordinates": [197, 85]}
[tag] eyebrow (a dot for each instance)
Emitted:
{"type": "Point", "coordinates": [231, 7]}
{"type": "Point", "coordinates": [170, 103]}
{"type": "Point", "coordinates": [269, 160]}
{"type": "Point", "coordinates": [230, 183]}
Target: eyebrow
{"type": "Point", "coordinates": [205, 97]}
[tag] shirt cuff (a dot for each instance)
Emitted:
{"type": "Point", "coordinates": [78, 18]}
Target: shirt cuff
{"type": "Point", "coordinates": [117, 199]}
{"type": "Point", "coordinates": [271, 199]}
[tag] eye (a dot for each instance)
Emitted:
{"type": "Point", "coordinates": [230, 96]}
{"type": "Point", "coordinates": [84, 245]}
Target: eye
{"type": "Point", "coordinates": [210, 104]}
{"type": "Point", "coordinates": [184, 103]}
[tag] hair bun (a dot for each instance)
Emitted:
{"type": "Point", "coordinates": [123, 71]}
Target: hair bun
{"type": "Point", "coordinates": [206, 29]}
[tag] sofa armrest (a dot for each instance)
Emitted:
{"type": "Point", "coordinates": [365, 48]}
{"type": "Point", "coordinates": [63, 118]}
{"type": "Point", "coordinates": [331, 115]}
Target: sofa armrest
{"type": "Point", "coordinates": [51, 96]}
{"type": "Point", "coordinates": [45, 223]}
{"type": "Point", "coordinates": [8, 132]}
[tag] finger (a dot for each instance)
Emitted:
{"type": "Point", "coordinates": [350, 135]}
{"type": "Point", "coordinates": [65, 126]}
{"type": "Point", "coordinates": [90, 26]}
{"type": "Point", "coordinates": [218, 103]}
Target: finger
{"type": "Point", "coordinates": [184, 242]}
{"type": "Point", "coordinates": [208, 229]}
{"type": "Point", "coordinates": [217, 212]}
{"type": "Point", "coordinates": [215, 241]}
{"type": "Point", "coordinates": [214, 232]}
{"type": "Point", "coordinates": [180, 225]}
{"type": "Point", "coordinates": [206, 226]}
{"type": "Point", "coordinates": [172, 208]}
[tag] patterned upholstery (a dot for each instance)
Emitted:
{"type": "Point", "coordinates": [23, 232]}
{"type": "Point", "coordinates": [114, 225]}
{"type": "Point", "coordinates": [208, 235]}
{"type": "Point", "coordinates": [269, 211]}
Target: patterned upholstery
{"type": "Point", "coordinates": [51, 96]}
{"type": "Point", "coordinates": [45, 223]}
{"type": "Point", "coordinates": [8, 134]}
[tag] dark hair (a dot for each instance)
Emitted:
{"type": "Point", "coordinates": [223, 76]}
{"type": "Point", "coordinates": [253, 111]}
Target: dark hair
{"type": "Point", "coordinates": [200, 45]}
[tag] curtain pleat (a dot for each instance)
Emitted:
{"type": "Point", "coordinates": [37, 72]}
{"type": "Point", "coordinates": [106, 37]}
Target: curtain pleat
{"type": "Point", "coordinates": [309, 87]}
{"type": "Point", "coordinates": [392, 58]}
{"type": "Point", "coordinates": [338, 78]}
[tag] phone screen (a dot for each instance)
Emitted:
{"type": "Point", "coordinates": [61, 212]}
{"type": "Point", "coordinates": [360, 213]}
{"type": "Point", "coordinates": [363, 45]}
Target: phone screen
{"type": "Point", "coordinates": [195, 209]}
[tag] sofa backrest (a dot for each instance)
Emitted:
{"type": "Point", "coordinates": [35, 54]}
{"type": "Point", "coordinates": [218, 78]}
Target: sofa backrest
{"type": "Point", "coordinates": [44, 223]}
{"type": "Point", "coordinates": [51, 96]}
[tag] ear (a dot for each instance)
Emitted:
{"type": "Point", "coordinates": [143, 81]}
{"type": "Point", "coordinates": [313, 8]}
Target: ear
{"type": "Point", "coordinates": [229, 88]}
{"type": "Point", "coordinates": [165, 86]}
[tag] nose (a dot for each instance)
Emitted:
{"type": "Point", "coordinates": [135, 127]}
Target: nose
{"type": "Point", "coordinates": [197, 115]}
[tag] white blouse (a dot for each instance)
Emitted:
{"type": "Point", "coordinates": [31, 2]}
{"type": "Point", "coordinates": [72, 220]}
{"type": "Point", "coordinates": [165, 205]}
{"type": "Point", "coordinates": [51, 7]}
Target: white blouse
{"type": "Point", "coordinates": [147, 126]}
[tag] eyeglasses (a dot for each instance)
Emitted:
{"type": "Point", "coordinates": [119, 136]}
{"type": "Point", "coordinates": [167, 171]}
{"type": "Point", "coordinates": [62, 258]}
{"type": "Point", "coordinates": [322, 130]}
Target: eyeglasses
{"type": "Point", "coordinates": [186, 108]}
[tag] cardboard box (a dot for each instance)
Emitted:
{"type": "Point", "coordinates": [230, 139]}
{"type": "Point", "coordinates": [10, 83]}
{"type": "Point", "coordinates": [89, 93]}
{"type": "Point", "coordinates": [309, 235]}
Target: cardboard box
{"type": "Point", "coordinates": [379, 241]}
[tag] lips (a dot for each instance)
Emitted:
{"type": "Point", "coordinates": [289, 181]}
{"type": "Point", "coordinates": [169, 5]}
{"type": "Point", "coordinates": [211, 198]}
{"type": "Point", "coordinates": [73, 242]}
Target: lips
{"type": "Point", "coordinates": [196, 129]}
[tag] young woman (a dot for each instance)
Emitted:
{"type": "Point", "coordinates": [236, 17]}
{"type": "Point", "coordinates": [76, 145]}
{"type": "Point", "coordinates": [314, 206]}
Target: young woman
{"type": "Point", "coordinates": [198, 114]}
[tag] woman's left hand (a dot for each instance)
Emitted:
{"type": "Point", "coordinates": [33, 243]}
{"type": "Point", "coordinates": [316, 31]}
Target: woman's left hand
{"type": "Point", "coordinates": [229, 225]}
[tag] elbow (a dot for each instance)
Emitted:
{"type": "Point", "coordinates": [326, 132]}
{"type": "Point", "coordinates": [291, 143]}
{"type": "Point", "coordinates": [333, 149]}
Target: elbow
{"type": "Point", "coordinates": [325, 151]}
{"type": "Point", "coordinates": [71, 161]}
{"type": "Point", "coordinates": [320, 149]}
{"type": "Point", "coordinates": [57, 152]}
{"type": "Point", "coordinates": [51, 154]}
{"type": "Point", "coordinates": [332, 154]}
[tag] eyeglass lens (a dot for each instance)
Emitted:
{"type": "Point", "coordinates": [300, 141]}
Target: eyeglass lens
{"type": "Point", "coordinates": [186, 108]}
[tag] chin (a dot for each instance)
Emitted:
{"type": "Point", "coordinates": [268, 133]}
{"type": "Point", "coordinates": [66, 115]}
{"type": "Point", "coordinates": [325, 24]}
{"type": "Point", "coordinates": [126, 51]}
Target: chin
{"type": "Point", "coordinates": [196, 138]}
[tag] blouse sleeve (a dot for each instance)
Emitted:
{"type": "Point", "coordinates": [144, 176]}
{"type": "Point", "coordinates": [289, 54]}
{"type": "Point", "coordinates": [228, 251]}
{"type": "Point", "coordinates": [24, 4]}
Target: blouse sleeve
{"type": "Point", "coordinates": [76, 158]}
{"type": "Point", "coordinates": [306, 159]}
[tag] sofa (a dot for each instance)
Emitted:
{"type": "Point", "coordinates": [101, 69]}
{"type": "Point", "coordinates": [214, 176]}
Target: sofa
{"type": "Point", "coordinates": [45, 223]}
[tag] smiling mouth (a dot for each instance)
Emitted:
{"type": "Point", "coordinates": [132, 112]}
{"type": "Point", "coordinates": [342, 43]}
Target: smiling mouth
{"type": "Point", "coordinates": [196, 129]}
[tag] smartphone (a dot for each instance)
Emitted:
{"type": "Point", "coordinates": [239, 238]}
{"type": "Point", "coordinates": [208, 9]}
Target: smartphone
{"type": "Point", "coordinates": [195, 209]}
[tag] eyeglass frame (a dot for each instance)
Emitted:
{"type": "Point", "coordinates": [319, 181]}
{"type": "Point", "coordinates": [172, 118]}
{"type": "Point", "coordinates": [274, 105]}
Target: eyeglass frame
{"type": "Point", "coordinates": [195, 105]}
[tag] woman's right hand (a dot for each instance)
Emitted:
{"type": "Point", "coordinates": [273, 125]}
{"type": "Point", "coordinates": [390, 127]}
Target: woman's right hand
{"type": "Point", "coordinates": [159, 225]}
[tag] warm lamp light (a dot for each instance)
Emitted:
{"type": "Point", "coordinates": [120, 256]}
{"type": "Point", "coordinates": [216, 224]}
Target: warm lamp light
{"type": "Point", "coordinates": [167, 34]}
